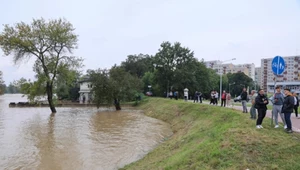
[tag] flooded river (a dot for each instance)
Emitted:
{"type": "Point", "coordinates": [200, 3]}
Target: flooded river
{"type": "Point", "coordinates": [75, 138]}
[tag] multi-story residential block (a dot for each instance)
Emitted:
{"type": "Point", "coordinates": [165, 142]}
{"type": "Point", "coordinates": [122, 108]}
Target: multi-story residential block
{"type": "Point", "coordinates": [258, 76]}
{"type": "Point", "coordinates": [248, 69]}
{"type": "Point", "coordinates": [290, 78]}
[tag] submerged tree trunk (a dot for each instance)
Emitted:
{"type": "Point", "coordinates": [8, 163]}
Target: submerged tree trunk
{"type": "Point", "coordinates": [50, 97]}
{"type": "Point", "coordinates": [117, 104]}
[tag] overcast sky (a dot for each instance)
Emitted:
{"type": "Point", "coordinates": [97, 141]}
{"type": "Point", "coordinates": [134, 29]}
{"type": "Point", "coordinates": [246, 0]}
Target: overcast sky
{"type": "Point", "coordinates": [109, 30]}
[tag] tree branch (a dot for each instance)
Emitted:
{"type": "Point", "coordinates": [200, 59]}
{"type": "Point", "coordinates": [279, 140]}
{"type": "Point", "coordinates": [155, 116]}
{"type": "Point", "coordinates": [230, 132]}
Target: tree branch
{"type": "Point", "coordinates": [57, 60]}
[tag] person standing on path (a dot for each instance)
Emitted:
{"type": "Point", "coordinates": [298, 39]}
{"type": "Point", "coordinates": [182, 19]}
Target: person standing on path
{"type": "Point", "coordinates": [261, 102]}
{"type": "Point", "coordinates": [196, 97]}
{"type": "Point", "coordinates": [253, 110]}
{"type": "Point", "coordinates": [228, 99]}
{"type": "Point", "coordinates": [186, 94]}
{"type": "Point", "coordinates": [216, 97]}
{"type": "Point", "coordinates": [296, 103]}
{"type": "Point", "coordinates": [277, 101]}
{"type": "Point", "coordinates": [200, 97]}
{"type": "Point", "coordinates": [287, 109]}
{"type": "Point", "coordinates": [223, 99]}
{"type": "Point", "coordinates": [212, 97]}
{"type": "Point", "coordinates": [244, 97]}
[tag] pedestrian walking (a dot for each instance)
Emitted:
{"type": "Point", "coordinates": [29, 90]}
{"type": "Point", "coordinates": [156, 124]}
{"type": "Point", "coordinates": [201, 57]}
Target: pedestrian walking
{"type": "Point", "coordinates": [261, 102]}
{"type": "Point", "coordinates": [287, 109]}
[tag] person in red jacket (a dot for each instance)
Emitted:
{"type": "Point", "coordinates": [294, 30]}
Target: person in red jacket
{"type": "Point", "coordinates": [223, 99]}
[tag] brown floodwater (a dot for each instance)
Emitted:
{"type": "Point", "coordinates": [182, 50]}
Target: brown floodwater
{"type": "Point", "coordinates": [75, 138]}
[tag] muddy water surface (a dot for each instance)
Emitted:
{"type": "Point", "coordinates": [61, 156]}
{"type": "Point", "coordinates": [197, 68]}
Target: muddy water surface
{"type": "Point", "coordinates": [75, 138]}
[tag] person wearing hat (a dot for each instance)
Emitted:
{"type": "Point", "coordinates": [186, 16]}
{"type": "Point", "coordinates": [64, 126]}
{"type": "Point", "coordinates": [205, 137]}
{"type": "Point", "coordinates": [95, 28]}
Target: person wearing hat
{"type": "Point", "coordinates": [278, 99]}
{"type": "Point", "coordinates": [261, 102]}
{"type": "Point", "coordinates": [287, 109]}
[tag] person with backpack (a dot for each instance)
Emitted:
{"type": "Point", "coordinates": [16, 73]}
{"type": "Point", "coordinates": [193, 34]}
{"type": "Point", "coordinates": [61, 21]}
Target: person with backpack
{"type": "Point", "coordinates": [277, 101]}
{"type": "Point", "coordinates": [287, 109]}
{"type": "Point", "coordinates": [261, 102]}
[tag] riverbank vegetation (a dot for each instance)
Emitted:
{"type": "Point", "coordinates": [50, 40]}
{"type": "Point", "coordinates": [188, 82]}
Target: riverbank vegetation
{"type": "Point", "coordinates": [51, 43]}
{"type": "Point", "coordinates": [172, 68]}
{"type": "Point", "coordinates": [211, 137]}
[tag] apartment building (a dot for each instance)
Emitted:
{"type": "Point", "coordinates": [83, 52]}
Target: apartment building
{"type": "Point", "coordinates": [258, 76]}
{"type": "Point", "coordinates": [290, 78]}
{"type": "Point", "coordinates": [248, 69]}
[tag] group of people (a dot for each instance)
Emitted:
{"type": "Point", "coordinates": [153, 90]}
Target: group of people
{"type": "Point", "coordinates": [225, 98]}
{"type": "Point", "coordinates": [198, 97]}
{"type": "Point", "coordinates": [283, 104]}
{"type": "Point", "coordinates": [173, 95]}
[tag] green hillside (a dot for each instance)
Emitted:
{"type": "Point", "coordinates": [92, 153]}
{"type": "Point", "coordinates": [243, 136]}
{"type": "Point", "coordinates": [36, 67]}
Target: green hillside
{"type": "Point", "coordinates": [211, 137]}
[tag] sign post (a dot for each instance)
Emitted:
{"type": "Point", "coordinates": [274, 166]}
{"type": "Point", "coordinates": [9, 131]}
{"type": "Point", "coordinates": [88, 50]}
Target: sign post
{"type": "Point", "coordinates": [278, 66]}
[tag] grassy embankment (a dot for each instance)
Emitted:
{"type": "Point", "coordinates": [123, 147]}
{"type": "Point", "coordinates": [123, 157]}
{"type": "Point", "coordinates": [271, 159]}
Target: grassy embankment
{"type": "Point", "coordinates": [209, 137]}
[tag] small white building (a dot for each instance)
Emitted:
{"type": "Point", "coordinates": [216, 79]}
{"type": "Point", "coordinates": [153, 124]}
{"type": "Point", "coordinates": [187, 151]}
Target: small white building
{"type": "Point", "coordinates": [85, 95]}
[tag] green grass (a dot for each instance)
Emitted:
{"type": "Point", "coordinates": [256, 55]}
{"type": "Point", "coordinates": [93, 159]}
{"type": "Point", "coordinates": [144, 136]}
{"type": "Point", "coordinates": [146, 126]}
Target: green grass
{"type": "Point", "coordinates": [209, 137]}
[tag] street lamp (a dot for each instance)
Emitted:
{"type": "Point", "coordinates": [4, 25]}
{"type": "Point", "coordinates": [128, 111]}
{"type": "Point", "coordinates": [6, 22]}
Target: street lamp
{"type": "Point", "coordinates": [221, 73]}
{"type": "Point", "coordinates": [230, 85]}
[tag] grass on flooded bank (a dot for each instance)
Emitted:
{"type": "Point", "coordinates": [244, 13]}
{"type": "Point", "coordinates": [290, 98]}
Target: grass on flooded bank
{"type": "Point", "coordinates": [209, 137]}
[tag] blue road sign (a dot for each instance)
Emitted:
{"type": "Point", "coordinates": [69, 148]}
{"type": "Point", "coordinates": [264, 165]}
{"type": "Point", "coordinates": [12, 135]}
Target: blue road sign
{"type": "Point", "coordinates": [278, 65]}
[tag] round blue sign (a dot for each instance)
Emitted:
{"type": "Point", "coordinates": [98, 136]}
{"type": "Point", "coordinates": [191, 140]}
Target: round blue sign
{"type": "Point", "coordinates": [278, 65]}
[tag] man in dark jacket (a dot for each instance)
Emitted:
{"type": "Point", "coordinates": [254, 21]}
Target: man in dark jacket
{"type": "Point", "coordinates": [244, 98]}
{"type": "Point", "coordinates": [261, 102]}
{"type": "Point", "coordinates": [287, 109]}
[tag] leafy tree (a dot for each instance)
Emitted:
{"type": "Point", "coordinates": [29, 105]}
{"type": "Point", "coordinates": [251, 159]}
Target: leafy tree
{"type": "Point", "coordinates": [67, 86]}
{"type": "Point", "coordinates": [138, 65]}
{"type": "Point", "coordinates": [2, 85]}
{"type": "Point", "coordinates": [101, 86]}
{"type": "Point", "coordinates": [126, 86]}
{"type": "Point", "coordinates": [241, 80]}
{"type": "Point", "coordinates": [33, 90]}
{"type": "Point", "coordinates": [49, 42]}
{"type": "Point", "coordinates": [148, 79]}
{"type": "Point", "coordinates": [172, 63]}
{"type": "Point", "coordinates": [113, 85]}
